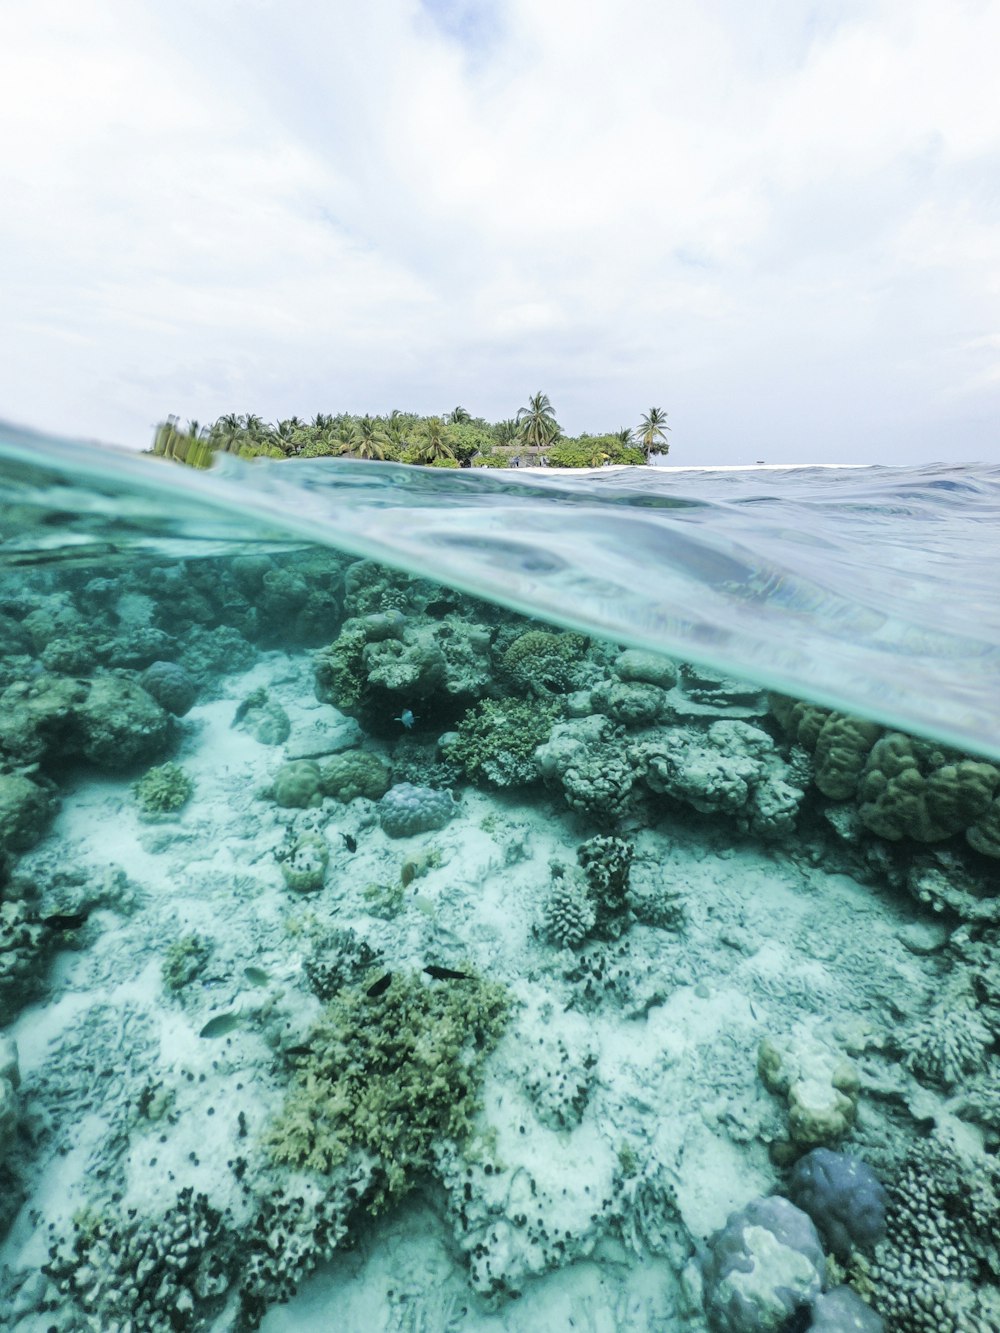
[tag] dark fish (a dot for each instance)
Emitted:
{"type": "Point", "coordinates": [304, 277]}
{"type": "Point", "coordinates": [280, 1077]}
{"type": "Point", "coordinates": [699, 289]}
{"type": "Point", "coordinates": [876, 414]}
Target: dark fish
{"type": "Point", "coordinates": [446, 973]}
{"type": "Point", "coordinates": [65, 920]}
{"type": "Point", "coordinates": [350, 843]}
{"type": "Point", "coordinates": [256, 976]}
{"type": "Point", "coordinates": [220, 1025]}
{"type": "Point", "coordinates": [298, 1050]}
{"type": "Point", "coordinates": [380, 987]}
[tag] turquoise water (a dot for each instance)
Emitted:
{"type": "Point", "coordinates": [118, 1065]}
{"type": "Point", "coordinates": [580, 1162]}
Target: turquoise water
{"type": "Point", "coordinates": [440, 900]}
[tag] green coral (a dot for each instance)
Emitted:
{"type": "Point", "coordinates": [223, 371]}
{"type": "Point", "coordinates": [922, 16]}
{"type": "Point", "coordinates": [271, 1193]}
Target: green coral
{"type": "Point", "coordinates": [913, 789]}
{"type": "Point", "coordinates": [298, 785]}
{"type": "Point", "coordinates": [162, 790]}
{"type": "Point", "coordinates": [496, 741]}
{"type": "Point", "coordinates": [183, 960]}
{"type": "Point", "coordinates": [340, 669]}
{"type": "Point", "coordinates": [303, 864]}
{"type": "Point", "coordinates": [355, 773]}
{"type": "Point", "coordinates": [842, 748]}
{"type": "Point", "coordinates": [392, 1075]}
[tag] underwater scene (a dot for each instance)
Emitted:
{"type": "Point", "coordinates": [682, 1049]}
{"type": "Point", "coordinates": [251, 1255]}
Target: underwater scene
{"type": "Point", "coordinates": [439, 903]}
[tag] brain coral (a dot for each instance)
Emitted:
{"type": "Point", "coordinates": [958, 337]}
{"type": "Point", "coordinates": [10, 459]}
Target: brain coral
{"type": "Point", "coordinates": [355, 773]}
{"type": "Point", "coordinates": [912, 789]}
{"type": "Point", "coordinates": [406, 809]}
{"type": "Point", "coordinates": [171, 687]}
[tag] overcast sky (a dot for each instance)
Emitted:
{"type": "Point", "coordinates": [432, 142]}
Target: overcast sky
{"type": "Point", "coordinates": [778, 221]}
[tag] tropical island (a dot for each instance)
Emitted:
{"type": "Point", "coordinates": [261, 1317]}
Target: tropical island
{"type": "Point", "coordinates": [532, 438]}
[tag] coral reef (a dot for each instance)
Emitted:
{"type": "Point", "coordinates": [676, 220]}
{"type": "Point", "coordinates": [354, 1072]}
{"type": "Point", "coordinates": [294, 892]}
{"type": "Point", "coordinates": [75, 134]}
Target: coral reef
{"type": "Point", "coordinates": [171, 686]}
{"type": "Point", "coordinates": [303, 863]}
{"type": "Point", "coordinates": [263, 718]}
{"type": "Point", "coordinates": [298, 785]}
{"type": "Point", "coordinates": [650, 668]}
{"type": "Point", "coordinates": [938, 1269]}
{"type": "Point", "coordinates": [162, 1275]}
{"type": "Point", "coordinates": [820, 1086]}
{"type": "Point", "coordinates": [405, 810]}
{"type": "Point", "coordinates": [953, 1040]}
{"type": "Point", "coordinates": [542, 662]}
{"type": "Point", "coordinates": [24, 945]}
{"type": "Point", "coordinates": [25, 810]}
{"type": "Point", "coordinates": [336, 958]}
{"type": "Point", "coordinates": [163, 790]}
{"type": "Point", "coordinates": [584, 757]}
{"type": "Point", "coordinates": [843, 1196]}
{"type": "Point", "coordinates": [183, 960]}
{"type": "Point", "coordinates": [391, 1074]}
{"type": "Point", "coordinates": [606, 862]}
{"type": "Point", "coordinates": [762, 1267]}
{"type": "Point", "coordinates": [495, 741]}
{"type": "Point", "coordinates": [569, 914]}
{"type": "Point", "coordinates": [355, 773]}
{"type": "Point", "coordinates": [914, 789]}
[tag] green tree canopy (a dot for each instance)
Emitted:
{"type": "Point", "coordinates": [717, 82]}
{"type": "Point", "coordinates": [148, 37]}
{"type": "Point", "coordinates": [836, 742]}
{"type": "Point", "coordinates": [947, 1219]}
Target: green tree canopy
{"type": "Point", "coordinates": [537, 423]}
{"type": "Point", "coordinates": [651, 433]}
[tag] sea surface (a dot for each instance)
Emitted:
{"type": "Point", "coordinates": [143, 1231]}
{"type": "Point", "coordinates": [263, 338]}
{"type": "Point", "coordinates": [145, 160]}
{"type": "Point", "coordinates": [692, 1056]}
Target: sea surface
{"type": "Point", "coordinates": [867, 589]}
{"type": "Point", "coordinates": [441, 901]}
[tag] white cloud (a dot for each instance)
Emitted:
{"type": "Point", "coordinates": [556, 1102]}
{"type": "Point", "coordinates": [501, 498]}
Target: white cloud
{"type": "Point", "coordinates": [782, 227]}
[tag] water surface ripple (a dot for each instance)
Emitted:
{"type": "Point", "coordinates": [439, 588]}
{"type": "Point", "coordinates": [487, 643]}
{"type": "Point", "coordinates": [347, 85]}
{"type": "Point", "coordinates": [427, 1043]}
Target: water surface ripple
{"type": "Point", "coordinates": [873, 590]}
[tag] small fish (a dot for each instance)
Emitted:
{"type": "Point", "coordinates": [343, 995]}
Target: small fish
{"type": "Point", "coordinates": [380, 987]}
{"type": "Point", "coordinates": [65, 920]}
{"type": "Point", "coordinates": [406, 717]}
{"type": "Point", "coordinates": [298, 1050]}
{"type": "Point", "coordinates": [446, 973]}
{"type": "Point", "coordinates": [256, 976]}
{"type": "Point", "coordinates": [220, 1025]}
{"type": "Point", "coordinates": [350, 842]}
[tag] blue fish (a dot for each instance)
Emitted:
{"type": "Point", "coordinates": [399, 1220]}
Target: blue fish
{"type": "Point", "coordinates": [406, 717]}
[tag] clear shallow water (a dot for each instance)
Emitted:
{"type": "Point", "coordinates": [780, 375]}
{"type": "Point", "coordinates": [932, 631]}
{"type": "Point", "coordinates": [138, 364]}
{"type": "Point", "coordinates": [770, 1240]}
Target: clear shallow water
{"type": "Point", "coordinates": [375, 956]}
{"type": "Point", "coordinates": [869, 590]}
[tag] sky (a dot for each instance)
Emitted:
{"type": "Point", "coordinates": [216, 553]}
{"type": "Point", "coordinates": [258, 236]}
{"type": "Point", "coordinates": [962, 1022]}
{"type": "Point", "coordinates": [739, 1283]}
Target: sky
{"type": "Point", "coordinates": [778, 222]}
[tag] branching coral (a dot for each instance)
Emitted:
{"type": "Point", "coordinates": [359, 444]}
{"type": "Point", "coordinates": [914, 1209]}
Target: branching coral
{"type": "Point", "coordinates": [605, 862]}
{"type": "Point", "coordinates": [160, 1275]}
{"type": "Point", "coordinates": [952, 1041]}
{"type": "Point", "coordinates": [183, 960]}
{"type": "Point", "coordinates": [163, 790]}
{"type": "Point", "coordinates": [569, 912]}
{"type": "Point", "coordinates": [937, 1271]}
{"type": "Point", "coordinates": [496, 741]}
{"type": "Point", "coordinates": [391, 1074]}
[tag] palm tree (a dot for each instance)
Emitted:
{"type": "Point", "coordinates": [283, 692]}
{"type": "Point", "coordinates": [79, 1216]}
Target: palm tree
{"type": "Point", "coordinates": [435, 444]}
{"type": "Point", "coordinates": [506, 432]}
{"type": "Point", "coordinates": [537, 422]}
{"type": "Point", "coordinates": [372, 442]}
{"type": "Point", "coordinates": [651, 432]}
{"type": "Point", "coordinates": [395, 427]}
{"type": "Point", "coordinates": [622, 436]}
{"type": "Point", "coordinates": [458, 416]}
{"type": "Point", "coordinates": [227, 433]}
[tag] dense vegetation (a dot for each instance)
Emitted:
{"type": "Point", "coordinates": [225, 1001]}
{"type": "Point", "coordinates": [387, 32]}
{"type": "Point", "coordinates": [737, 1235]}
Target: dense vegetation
{"type": "Point", "coordinates": [455, 440]}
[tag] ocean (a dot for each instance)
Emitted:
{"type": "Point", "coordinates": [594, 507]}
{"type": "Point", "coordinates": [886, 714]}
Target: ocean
{"type": "Point", "coordinates": [441, 900]}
